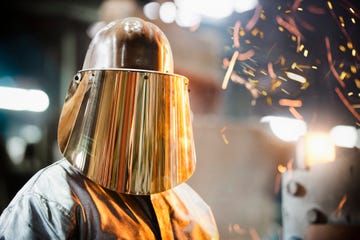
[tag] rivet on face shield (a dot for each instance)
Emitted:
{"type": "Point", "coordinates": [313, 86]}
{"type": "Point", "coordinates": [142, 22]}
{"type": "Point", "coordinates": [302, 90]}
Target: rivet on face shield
{"type": "Point", "coordinates": [77, 78]}
{"type": "Point", "coordinates": [146, 77]}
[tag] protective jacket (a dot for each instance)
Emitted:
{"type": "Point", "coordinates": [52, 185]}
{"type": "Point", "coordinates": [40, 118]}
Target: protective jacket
{"type": "Point", "coordinates": [60, 203]}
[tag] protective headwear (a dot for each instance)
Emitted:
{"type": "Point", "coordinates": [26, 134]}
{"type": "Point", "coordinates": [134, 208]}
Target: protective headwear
{"type": "Point", "coordinates": [125, 123]}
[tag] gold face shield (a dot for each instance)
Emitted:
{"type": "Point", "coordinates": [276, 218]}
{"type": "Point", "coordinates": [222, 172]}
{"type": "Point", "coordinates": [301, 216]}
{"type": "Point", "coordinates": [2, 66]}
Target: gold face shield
{"type": "Point", "coordinates": [127, 129]}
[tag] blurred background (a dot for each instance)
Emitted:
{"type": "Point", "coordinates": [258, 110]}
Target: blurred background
{"type": "Point", "coordinates": [263, 74]}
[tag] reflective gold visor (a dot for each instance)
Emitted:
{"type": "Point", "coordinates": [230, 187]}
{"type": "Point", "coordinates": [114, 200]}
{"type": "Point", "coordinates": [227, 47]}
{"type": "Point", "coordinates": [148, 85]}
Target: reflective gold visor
{"type": "Point", "coordinates": [129, 130]}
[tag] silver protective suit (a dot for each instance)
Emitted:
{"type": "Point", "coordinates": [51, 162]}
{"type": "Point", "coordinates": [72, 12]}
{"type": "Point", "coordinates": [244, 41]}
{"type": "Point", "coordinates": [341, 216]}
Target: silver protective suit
{"type": "Point", "coordinates": [60, 203]}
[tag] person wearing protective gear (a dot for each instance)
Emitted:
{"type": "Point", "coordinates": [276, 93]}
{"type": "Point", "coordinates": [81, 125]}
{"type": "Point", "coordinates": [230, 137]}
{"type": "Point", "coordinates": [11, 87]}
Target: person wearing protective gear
{"type": "Point", "coordinates": [126, 137]}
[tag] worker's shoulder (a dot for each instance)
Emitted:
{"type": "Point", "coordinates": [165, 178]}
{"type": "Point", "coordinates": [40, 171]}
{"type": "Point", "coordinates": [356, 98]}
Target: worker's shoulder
{"type": "Point", "coordinates": [50, 183]}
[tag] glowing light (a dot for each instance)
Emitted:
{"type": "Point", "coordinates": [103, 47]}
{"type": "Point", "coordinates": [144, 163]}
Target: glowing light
{"type": "Point", "coordinates": [290, 103]}
{"type": "Point", "coordinates": [329, 5]}
{"type": "Point", "coordinates": [187, 18]}
{"type": "Point", "coordinates": [243, 6]}
{"type": "Point", "coordinates": [319, 148]}
{"type": "Point", "coordinates": [295, 77]}
{"type": "Point", "coordinates": [31, 133]}
{"type": "Point", "coordinates": [19, 99]}
{"type": "Point", "coordinates": [15, 146]}
{"type": "Point", "coordinates": [230, 69]}
{"type": "Point", "coordinates": [344, 136]}
{"type": "Point", "coordinates": [214, 9]}
{"type": "Point", "coordinates": [287, 129]}
{"type": "Point", "coordinates": [167, 12]}
{"type": "Point", "coordinates": [306, 53]}
{"type": "Point", "coordinates": [223, 135]}
{"type": "Point", "coordinates": [281, 168]}
{"type": "Point", "coordinates": [151, 10]}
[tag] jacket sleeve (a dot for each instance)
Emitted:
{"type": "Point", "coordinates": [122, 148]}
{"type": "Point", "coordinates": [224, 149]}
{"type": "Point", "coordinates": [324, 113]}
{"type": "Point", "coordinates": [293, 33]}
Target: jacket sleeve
{"type": "Point", "coordinates": [32, 216]}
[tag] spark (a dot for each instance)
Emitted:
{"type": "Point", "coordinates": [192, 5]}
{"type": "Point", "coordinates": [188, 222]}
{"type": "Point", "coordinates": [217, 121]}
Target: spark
{"type": "Point", "coordinates": [281, 168]}
{"type": "Point", "coordinates": [329, 5]}
{"type": "Point", "coordinates": [244, 56]}
{"type": "Point", "coordinates": [316, 10]}
{"type": "Point", "coordinates": [357, 83]}
{"type": "Point", "coordinates": [285, 91]}
{"type": "Point", "coordinates": [342, 48]}
{"type": "Point", "coordinates": [300, 67]}
{"type": "Point", "coordinates": [229, 70]}
{"type": "Point", "coordinates": [249, 72]}
{"type": "Point", "coordinates": [353, 52]}
{"type": "Point", "coordinates": [295, 113]}
{"type": "Point", "coordinates": [290, 103]}
{"type": "Point", "coordinates": [306, 52]}
{"type": "Point", "coordinates": [296, 4]}
{"type": "Point", "coordinates": [268, 100]}
{"type": "Point", "coordinates": [342, 75]}
{"type": "Point", "coordinates": [291, 27]}
{"type": "Point", "coordinates": [282, 78]}
{"type": "Point", "coordinates": [236, 78]}
{"type": "Point", "coordinates": [353, 69]}
{"type": "Point", "coordinates": [301, 47]}
{"type": "Point", "coordinates": [341, 205]}
{"type": "Point", "coordinates": [331, 64]}
{"type": "Point", "coordinates": [295, 77]}
{"type": "Point", "coordinates": [343, 30]}
{"type": "Point", "coordinates": [224, 136]}
{"type": "Point", "coordinates": [226, 62]}
{"type": "Point", "coordinates": [271, 70]}
{"type": "Point", "coordinates": [236, 34]}
{"type": "Point", "coordinates": [254, 18]}
{"type": "Point", "coordinates": [347, 104]}
{"type": "Point", "coordinates": [274, 86]}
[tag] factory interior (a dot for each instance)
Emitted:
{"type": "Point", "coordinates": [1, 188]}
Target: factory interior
{"type": "Point", "coordinates": [274, 89]}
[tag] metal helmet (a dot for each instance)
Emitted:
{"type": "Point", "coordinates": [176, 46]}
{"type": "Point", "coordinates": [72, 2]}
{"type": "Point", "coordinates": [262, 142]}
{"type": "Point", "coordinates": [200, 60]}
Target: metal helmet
{"type": "Point", "coordinates": [125, 122]}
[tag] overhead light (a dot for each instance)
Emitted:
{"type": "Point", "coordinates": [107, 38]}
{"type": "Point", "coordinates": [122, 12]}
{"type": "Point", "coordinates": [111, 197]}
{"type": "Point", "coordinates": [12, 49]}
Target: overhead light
{"type": "Point", "coordinates": [245, 5]}
{"type": "Point", "coordinates": [344, 136]}
{"type": "Point", "coordinates": [213, 9]}
{"type": "Point", "coordinates": [287, 129]}
{"type": "Point", "coordinates": [19, 99]}
{"type": "Point", "coordinates": [167, 12]}
{"type": "Point", "coordinates": [151, 10]}
{"type": "Point", "coordinates": [187, 18]}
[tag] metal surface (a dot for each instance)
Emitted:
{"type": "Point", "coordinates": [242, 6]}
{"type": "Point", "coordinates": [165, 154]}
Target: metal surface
{"type": "Point", "coordinates": [128, 130]}
{"type": "Point", "coordinates": [325, 194]}
{"type": "Point", "coordinates": [130, 43]}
